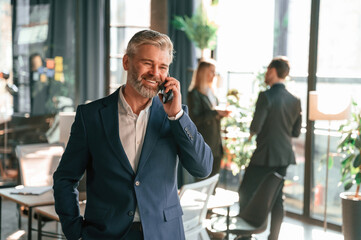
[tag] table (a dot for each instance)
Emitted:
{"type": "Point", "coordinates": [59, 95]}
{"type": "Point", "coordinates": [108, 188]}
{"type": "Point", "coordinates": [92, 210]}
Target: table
{"type": "Point", "coordinates": [29, 201]}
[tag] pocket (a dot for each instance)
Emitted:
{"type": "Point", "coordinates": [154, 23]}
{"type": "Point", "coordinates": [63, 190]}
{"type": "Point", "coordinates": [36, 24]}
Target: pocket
{"type": "Point", "coordinates": [172, 212]}
{"type": "Point", "coordinates": [95, 216]}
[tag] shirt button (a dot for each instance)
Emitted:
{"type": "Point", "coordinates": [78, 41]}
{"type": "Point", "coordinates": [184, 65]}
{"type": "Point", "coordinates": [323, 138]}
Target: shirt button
{"type": "Point", "coordinates": [130, 213]}
{"type": "Point", "coordinates": [137, 183]}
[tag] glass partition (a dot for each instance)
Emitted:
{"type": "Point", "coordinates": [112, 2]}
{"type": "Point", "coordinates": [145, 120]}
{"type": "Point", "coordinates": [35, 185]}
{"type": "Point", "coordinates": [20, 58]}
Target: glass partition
{"type": "Point", "coordinates": [43, 58]}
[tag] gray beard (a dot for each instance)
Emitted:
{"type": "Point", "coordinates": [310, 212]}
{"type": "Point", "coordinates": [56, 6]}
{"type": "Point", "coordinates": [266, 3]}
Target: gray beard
{"type": "Point", "coordinates": [140, 88]}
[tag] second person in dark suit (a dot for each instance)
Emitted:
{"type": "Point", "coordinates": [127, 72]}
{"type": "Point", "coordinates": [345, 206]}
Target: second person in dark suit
{"type": "Point", "coordinates": [276, 120]}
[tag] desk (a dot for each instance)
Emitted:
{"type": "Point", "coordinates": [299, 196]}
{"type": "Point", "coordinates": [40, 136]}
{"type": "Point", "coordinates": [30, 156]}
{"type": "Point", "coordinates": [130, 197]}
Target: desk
{"type": "Point", "coordinates": [49, 212]}
{"type": "Point", "coordinates": [29, 201]}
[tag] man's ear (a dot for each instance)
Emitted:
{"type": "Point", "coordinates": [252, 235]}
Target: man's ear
{"type": "Point", "coordinates": [273, 71]}
{"type": "Point", "coordinates": [126, 62]}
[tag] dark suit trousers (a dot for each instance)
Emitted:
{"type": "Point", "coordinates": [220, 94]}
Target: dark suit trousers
{"type": "Point", "coordinates": [251, 180]}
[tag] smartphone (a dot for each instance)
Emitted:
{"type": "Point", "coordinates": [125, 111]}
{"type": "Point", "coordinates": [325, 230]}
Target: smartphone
{"type": "Point", "coordinates": [166, 96]}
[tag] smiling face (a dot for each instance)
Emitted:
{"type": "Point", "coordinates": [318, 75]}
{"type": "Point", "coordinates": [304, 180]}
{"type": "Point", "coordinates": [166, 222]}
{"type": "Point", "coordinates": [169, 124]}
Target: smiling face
{"type": "Point", "coordinates": [147, 68]}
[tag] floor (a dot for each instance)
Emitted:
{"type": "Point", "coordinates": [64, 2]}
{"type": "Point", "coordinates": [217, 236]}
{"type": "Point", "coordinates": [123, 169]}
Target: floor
{"type": "Point", "coordinates": [291, 229]}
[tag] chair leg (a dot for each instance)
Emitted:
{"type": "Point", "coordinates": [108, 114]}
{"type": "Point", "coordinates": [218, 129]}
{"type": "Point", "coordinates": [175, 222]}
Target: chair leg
{"type": "Point", "coordinates": [58, 230]}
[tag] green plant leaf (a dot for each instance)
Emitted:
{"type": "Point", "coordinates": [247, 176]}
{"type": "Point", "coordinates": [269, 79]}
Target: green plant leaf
{"type": "Point", "coordinates": [358, 178]}
{"type": "Point", "coordinates": [330, 162]}
{"type": "Point", "coordinates": [197, 28]}
{"type": "Point", "coordinates": [357, 161]}
{"type": "Point", "coordinates": [358, 142]}
{"type": "Point", "coordinates": [348, 184]}
{"type": "Point", "coordinates": [345, 141]}
{"type": "Point", "coordinates": [347, 160]}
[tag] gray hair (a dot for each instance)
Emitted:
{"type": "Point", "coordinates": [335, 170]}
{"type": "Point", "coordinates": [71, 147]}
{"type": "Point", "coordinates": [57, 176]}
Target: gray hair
{"type": "Point", "coordinates": [150, 37]}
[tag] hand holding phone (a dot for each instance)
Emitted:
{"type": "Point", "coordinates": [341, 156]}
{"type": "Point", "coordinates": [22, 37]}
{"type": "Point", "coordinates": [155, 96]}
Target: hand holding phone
{"type": "Point", "coordinates": [166, 96]}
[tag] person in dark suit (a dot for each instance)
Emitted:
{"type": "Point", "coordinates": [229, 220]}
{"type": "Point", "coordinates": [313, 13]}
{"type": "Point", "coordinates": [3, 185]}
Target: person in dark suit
{"type": "Point", "coordinates": [129, 144]}
{"type": "Point", "coordinates": [202, 103]}
{"type": "Point", "coordinates": [276, 120]}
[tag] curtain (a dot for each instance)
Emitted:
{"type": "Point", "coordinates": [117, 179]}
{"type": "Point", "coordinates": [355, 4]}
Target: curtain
{"type": "Point", "coordinates": [184, 59]}
{"type": "Point", "coordinates": [183, 63]}
{"type": "Point", "coordinates": [91, 48]}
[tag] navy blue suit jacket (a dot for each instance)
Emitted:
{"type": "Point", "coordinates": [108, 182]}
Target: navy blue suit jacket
{"type": "Point", "coordinates": [113, 189]}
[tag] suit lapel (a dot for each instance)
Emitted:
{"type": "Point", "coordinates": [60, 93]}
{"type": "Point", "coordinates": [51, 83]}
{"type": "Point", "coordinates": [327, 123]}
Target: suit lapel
{"type": "Point", "coordinates": [109, 116]}
{"type": "Point", "coordinates": [154, 127]}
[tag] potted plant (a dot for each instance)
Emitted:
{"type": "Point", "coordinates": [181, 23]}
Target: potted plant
{"type": "Point", "coordinates": [198, 29]}
{"type": "Point", "coordinates": [350, 148]}
{"type": "Point", "coordinates": [238, 149]}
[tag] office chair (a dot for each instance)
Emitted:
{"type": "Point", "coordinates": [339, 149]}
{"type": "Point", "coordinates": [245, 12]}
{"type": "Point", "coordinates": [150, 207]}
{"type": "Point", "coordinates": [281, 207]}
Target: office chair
{"type": "Point", "coordinates": [253, 218]}
{"type": "Point", "coordinates": [194, 200]}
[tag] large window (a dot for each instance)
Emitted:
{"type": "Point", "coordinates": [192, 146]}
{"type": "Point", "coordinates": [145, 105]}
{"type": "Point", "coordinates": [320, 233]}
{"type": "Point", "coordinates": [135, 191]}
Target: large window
{"type": "Point", "coordinates": [277, 28]}
{"type": "Point", "coordinates": [126, 18]}
{"type": "Point", "coordinates": [339, 76]}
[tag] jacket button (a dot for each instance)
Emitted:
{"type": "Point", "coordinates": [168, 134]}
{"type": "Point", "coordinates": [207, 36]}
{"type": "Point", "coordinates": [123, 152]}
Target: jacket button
{"type": "Point", "coordinates": [137, 183]}
{"type": "Point", "coordinates": [130, 213]}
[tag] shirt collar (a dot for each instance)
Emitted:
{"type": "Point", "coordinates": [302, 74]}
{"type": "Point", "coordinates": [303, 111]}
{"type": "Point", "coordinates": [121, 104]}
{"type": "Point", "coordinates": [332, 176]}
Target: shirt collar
{"type": "Point", "coordinates": [281, 84]}
{"type": "Point", "coordinates": [124, 106]}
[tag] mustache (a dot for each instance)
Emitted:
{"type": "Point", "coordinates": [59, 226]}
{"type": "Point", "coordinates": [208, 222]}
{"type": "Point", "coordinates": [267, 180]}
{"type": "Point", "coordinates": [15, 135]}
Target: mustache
{"type": "Point", "coordinates": [153, 78]}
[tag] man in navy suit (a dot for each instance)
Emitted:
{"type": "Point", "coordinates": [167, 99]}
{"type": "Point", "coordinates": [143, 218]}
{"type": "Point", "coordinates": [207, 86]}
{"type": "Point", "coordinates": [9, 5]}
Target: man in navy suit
{"type": "Point", "coordinates": [129, 145]}
{"type": "Point", "coordinates": [276, 120]}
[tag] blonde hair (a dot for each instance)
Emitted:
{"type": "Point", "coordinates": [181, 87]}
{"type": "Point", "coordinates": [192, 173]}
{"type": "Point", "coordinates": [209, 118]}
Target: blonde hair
{"type": "Point", "coordinates": [199, 80]}
{"type": "Point", "coordinates": [150, 37]}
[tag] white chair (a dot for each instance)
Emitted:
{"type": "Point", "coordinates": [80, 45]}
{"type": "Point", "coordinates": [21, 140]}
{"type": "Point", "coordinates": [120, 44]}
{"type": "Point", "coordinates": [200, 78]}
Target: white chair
{"type": "Point", "coordinates": [37, 163]}
{"type": "Point", "coordinates": [194, 199]}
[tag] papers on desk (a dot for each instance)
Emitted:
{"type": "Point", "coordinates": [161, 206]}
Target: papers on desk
{"type": "Point", "coordinates": [21, 190]}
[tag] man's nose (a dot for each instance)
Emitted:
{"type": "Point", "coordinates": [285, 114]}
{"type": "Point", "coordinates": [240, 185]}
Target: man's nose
{"type": "Point", "coordinates": [155, 71]}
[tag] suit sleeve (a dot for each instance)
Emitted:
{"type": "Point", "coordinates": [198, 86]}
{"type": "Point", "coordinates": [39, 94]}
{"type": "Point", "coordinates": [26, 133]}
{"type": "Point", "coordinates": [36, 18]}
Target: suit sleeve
{"type": "Point", "coordinates": [296, 130]}
{"type": "Point", "coordinates": [66, 179]}
{"type": "Point", "coordinates": [194, 154]}
{"type": "Point", "coordinates": [260, 113]}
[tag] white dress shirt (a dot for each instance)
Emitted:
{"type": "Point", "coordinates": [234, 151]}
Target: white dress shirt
{"type": "Point", "coordinates": [132, 128]}
{"type": "Point", "coordinates": [131, 133]}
